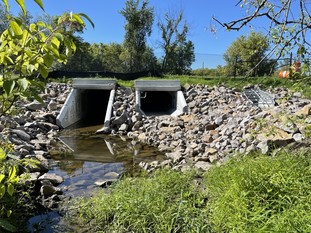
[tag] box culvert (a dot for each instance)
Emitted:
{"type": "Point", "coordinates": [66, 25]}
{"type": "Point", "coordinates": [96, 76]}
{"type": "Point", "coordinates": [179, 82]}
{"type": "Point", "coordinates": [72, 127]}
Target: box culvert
{"type": "Point", "coordinates": [90, 101]}
{"type": "Point", "coordinates": [160, 97]}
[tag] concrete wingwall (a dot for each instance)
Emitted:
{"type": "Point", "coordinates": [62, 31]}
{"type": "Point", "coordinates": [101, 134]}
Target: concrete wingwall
{"type": "Point", "coordinates": [71, 111]}
{"type": "Point", "coordinates": [182, 106]}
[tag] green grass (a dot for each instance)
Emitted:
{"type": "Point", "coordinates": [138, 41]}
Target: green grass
{"type": "Point", "coordinates": [246, 194]}
{"type": "Point", "coordinates": [261, 194]}
{"type": "Point", "coordinates": [302, 85]}
{"type": "Point", "coordinates": [167, 201]}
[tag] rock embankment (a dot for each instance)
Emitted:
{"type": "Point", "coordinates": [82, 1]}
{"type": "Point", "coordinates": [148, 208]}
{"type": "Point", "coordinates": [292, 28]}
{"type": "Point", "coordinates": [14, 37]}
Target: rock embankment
{"type": "Point", "coordinates": [219, 122]}
{"type": "Point", "coordinates": [32, 130]}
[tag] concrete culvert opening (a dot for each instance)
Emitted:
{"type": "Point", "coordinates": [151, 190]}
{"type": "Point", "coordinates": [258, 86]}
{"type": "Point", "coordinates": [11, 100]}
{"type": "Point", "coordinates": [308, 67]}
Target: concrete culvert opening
{"type": "Point", "coordinates": [94, 104]}
{"type": "Point", "coordinates": [158, 102]}
{"type": "Point", "coordinates": [160, 97]}
{"type": "Point", "coordinates": [89, 103]}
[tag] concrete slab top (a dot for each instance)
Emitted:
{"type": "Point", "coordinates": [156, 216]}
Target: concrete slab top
{"type": "Point", "coordinates": [157, 85]}
{"type": "Point", "coordinates": [91, 84]}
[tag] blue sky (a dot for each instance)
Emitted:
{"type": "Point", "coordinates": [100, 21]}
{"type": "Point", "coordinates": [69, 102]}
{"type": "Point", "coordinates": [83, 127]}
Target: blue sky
{"type": "Point", "coordinates": [109, 23]}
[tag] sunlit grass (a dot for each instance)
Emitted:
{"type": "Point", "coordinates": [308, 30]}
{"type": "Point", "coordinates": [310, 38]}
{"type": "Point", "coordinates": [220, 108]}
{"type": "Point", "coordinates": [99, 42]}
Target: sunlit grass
{"type": "Point", "coordinates": [246, 194]}
{"type": "Point", "coordinates": [261, 194]}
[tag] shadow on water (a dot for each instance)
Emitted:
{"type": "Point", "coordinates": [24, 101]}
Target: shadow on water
{"type": "Point", "coordinates": [91, 157]}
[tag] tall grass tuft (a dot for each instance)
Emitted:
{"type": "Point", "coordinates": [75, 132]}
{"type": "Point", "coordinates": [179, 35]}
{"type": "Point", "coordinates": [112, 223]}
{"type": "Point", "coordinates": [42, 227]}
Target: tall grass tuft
{"type": "Point", "coordinates": [168, 201]}
{"type": "Point", "coordinates": [261, 194]}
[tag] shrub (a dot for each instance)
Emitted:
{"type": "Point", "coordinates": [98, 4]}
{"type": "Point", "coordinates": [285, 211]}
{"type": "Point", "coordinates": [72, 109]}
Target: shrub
{"type": "Point", "coordinates": [261, 194]}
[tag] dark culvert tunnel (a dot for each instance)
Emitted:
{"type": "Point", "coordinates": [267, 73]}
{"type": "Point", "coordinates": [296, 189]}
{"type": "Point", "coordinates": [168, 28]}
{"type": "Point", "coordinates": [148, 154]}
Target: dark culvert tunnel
{"type": "Point", "coordinates": [93, 107]}
{"type": "Point", "coordinates": [158, 102]}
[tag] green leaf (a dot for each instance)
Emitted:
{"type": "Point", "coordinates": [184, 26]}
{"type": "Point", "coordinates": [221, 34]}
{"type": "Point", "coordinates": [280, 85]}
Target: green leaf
{"type": "Point", "coordinates": [2, 190]}
{"type": "Point", "coordinates": [30, 68]}
{"type": "Point", "coordinates": [17, 31]}
{"type": "Point", "coordinates": [12, 173]}
{"type": "Point", "coordinates": [42, 36]}
{"type": "Point", "coordinates": [1, 177]}
{"type": "Point", "coordinates": [9, 213]}
{"type": "Point", "coordinates": [38, 98]}
{"type": "Point", "coordinates": [55, 42]}
{"type": "Point", "coordinates": [7, 59]}
{"type": "Point", "coordinates": [4, 224]}
{"type": "Point", "coordinates": [8, 86]}
{"type": "Point", "coordinates": [41, 24]}
{"type": "Point", "coordinates": [10, 189]}
{"type": "Point", "coordinates": [44, 71]}
{"type": "Point", "coordinates": [33, 27]}
{"type": "Point", "coordinates": [87, 18]}
{"type": "Point", "coordinates": [24, 37]}
{"type": "Point", "coordinates": [54, 51]}
{"type": "Point", "coordinates": [73, 46]}
{"type": "Point", "coordinates": [23, 83]}
{"type": "Point", "coordinates": [2, 154]}
{"type": "Point", "coordinates": [48, 60]}
{"type": "Point", "coordinates": [40, 60]}
{"type": "Point", "coordinates": [59, 36]}
{"type": "Point", "coordinates": [21, 3]}
{"type": "Point", "coordinates": [40, 4]}
{"type": "Point", "coordinates": [78, 19]}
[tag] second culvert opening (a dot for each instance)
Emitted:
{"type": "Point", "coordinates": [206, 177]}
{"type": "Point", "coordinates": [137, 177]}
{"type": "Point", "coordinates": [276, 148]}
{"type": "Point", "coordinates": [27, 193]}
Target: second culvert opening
{"type": "Point", "coordinates": [158, 102]}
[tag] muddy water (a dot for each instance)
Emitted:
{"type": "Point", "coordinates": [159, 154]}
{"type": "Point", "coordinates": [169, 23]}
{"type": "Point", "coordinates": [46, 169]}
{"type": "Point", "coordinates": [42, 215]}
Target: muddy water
{"type": "Point", "coordinates": [91, 157]}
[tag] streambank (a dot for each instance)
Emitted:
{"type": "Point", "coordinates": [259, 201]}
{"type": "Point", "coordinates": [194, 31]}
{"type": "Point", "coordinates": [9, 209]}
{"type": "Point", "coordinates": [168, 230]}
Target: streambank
{"type": "Point", "coordinates": [219, 123]}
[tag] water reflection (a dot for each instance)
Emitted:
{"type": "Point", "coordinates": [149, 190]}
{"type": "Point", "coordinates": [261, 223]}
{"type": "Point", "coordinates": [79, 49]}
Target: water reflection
{"type": "Point", "coordinates": [94, 155]}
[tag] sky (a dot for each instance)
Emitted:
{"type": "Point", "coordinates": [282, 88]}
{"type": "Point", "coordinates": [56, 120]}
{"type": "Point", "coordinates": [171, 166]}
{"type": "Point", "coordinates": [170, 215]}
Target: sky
{"type": "Point", "coordinates": [109, 23]}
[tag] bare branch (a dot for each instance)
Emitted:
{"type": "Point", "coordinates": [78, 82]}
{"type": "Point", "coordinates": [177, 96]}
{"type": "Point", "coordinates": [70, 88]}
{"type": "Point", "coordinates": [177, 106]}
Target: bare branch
{"type": "Point", "coordinates": [287, 25]}
{"type": "Point", "coordinates": [238, 3]}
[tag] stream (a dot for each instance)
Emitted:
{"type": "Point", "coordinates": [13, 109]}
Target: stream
{"type": "Point", "coordinates": [93, 156]}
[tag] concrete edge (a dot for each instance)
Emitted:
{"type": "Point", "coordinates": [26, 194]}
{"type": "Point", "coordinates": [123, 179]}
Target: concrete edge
{"type": "Point", "coordinates": [181, 102]}
{"type": "Point", "coordinates": [157, 85]}
{"type": "Point", "coordinates": [94, 84]}
{"type": "Point", "coordinates": [138, 103]}
{"type": "Point", "coordinates": [62, 118]}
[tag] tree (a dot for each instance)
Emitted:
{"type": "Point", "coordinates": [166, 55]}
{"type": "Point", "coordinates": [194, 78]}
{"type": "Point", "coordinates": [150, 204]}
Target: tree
{"type": "Point", "coordinates": [111, 58]}
{"type": "Point", "coordinates": [289, 23]}
{"type": "Point", "coordinates": [28, 51]}
{"type": "Point", "coordinates": [246, 55]}
{"type": "Point", "coordinates": [178, 52]}
{"type": "Point", "coordinates": [138, 28]}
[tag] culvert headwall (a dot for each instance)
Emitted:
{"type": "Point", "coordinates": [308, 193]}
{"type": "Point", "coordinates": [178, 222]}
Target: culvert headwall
{"type": "Point", "coordinates": [90, 100]}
